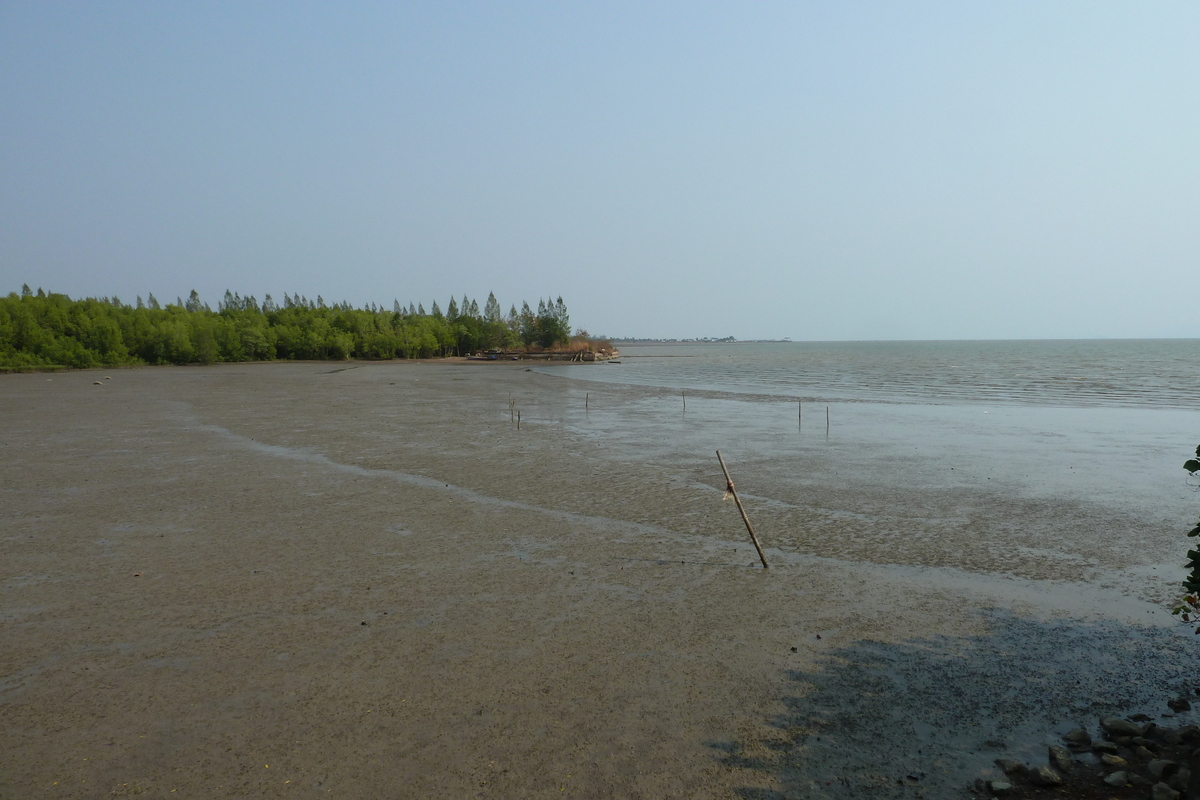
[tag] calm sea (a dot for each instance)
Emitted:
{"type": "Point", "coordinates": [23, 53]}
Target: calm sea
{"type": "Point", "coordinates": [1069, 448]}
{"type": "Point", "coordinates": [1075, 373]}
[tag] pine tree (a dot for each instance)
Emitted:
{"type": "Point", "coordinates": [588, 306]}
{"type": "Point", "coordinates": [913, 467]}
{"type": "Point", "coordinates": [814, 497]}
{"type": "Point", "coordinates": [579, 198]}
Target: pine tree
{"type": "Point", "coordinates": [140, 304]}
{"type": "Point", "coordinates": [152, 301]}
{"type": "Point", "coordinates": [193, 302]}
{"type": "Point", "coordinates": [491, 309]}
{"type": "Point", "coordinates": [26, 291]}
{"type": "Point", "coordinates": [452, 309]}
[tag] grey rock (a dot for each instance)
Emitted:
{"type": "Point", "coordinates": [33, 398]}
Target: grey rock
{"type": "Point", "coordinates": [1179, 780]}
{"type": "Point", "coordinates": [1162, 768]}
{"type": "Point", "coordinates": [1170, 736]}
{"type": "Point", "coordinates": [1144, 742]}
{"type": "Point", "coordinates": [1000, 787]}
{"type": "Point", "coordinates": [1044, 775]}
{"type": "Point", "coordinates": [1163, 792]}
{"type": "Point", "coordinates": [1105, 747]}
{"type": "Point", "coordinates": [1118, 778]}
{"type": "Point", "coordinates": [1179, 705]}
{"type": "Point", "coordinates": [1011, 767]}
{"type": "Point", "coordinates": [1190, 733]}
{"type": "Point", "coordinates": [1143, 753]}
{"type": "Point", "coordinates": [1120, 727]}
{"type": "Point", "coordinates": [1060, 757]}
{"type": "Point", "coordinates": [1138, 780]}
{"type": "Point", "coordinates": [1110, 760]}
{"type": "Point", "coordinates": [1077, 736]}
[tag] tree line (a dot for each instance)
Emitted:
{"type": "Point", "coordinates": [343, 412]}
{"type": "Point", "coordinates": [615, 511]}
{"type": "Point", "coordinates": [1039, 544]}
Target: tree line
{"type": "Point", "coordinates": [42, 330]}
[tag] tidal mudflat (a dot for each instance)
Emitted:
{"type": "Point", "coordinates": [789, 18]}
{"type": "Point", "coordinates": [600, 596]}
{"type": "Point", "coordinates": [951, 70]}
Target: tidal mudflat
{"type": "Point", "coordinates": [362, 580]}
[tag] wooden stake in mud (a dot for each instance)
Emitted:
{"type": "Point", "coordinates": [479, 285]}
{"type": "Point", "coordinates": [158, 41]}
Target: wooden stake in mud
{"type": "Point", "coordinates": [683, 393]}
{"type": "Point", "coordinates": [586, 398]}
{"type": "Point", "coordinates": [745, 519]}
{"type": "Point", "coordinates": [518, 420]}
{"type": "Point", "coordinates": [826, 420]}
{"type": "Point", "coordinates": [799, 414]}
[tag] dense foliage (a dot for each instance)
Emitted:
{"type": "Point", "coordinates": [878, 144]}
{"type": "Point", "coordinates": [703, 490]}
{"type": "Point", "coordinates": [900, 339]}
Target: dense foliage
{"type": "Point", "coordinates": [1189, 608]}
{"type": "Point", "coordinates": [40, 330]}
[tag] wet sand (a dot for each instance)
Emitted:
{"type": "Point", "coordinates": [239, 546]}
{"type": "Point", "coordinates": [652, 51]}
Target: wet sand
{"type": "Point", "coordinates": [361, 580]}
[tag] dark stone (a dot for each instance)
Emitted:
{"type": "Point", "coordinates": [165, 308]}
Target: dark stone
{"type": "Point", "coordinates": [1163, 792]}
{"type": "Point", "coordinates": [1105, 747]}
{"type": "Point", "coordinates": [1077, 736]}
{"type": "Point", "coordinates": [1000, 787]}
{"type": "Point", "coordinates": [1118, 778]}
{"type": "Point", "coordinates": [1162, 768]}
{"type": "Point", "coordinates": [1120, 727]}
{"type": "Point", "coordinates": [1179, 705]}
{"type": "Point", "coordinates": [1011, 767]}
{"type": "Point", "coordinates": [1060, 757]}
{"type": "Point", "coordinates": [1044, 775]}
{"type": "Point", "coordinates": [1179, 780]}
{"type": "Point", "coordinates": [1168, 736]}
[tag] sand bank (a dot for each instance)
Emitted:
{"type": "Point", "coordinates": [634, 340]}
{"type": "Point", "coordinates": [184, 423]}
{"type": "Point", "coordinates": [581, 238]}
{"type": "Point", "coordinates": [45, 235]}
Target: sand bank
{"type": "Point", "coordinates": [308, 579]}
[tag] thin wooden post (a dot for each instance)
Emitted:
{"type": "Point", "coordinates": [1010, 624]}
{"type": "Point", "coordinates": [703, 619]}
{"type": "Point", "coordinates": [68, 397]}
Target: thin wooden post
{"type": "Point", "coordinates": [586, 398]}
{"type": "Point", "coordinates": [683, 392]}
{"type": "Point", "coordinates": [799, 414]}
{"type": "Point", "coordinates": [826, 420]}
{"type": "Point", "coordinates": [518, 420]}
{"type": "Point", "coordinates": [745, 519]}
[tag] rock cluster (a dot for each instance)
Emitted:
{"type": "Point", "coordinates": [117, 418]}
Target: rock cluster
{"type": "Point", "coordinates": [1154, 761]}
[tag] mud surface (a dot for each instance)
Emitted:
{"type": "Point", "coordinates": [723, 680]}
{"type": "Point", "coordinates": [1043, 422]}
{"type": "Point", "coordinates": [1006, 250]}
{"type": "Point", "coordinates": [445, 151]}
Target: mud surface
{"type": "Point", "coordinates": [363, 581]}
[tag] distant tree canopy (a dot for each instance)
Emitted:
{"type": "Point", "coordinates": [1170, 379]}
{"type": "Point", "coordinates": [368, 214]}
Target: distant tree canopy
{"type": "Point", "coordinates": [38, 330]}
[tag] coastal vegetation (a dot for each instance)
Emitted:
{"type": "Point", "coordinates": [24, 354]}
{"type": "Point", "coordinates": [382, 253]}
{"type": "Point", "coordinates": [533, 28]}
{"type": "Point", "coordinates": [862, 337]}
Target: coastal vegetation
{"type": "Point", "coordinates": [41, 330]}
{"type": "Point", "coordinates": [1189, 608]}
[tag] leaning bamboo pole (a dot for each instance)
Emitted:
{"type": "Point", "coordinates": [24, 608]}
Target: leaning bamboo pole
{"type": "Point", "coordinates": [745, 519]}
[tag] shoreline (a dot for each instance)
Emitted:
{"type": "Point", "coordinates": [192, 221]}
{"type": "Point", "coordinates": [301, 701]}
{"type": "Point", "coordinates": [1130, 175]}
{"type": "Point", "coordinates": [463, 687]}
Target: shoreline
{"type": "Point", "coordinates": [365, 582]}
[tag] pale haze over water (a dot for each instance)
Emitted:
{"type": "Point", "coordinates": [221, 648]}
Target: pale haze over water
{"type": "Point", "coordinates": [1162, 373]}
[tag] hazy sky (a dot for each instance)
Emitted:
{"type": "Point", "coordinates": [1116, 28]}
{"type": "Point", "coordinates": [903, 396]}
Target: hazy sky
{"type": "Point", "coordinates": [831, 170]}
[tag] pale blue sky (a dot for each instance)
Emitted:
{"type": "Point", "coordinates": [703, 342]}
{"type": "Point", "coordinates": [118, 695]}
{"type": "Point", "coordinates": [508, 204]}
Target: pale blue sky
{"type": "Point", "coordinates": [819, 171]}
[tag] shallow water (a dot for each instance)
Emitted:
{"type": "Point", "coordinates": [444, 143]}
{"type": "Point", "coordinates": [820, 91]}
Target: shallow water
{"type": "Point", "coordinates": [1156, 373]}
{"type": "Point", "coordinates": [1053, 460]}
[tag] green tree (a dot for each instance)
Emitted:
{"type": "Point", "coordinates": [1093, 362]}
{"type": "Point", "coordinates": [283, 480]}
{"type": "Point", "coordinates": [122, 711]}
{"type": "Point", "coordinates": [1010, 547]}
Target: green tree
{"type": "Point", "coordinates": [1189, 608]}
